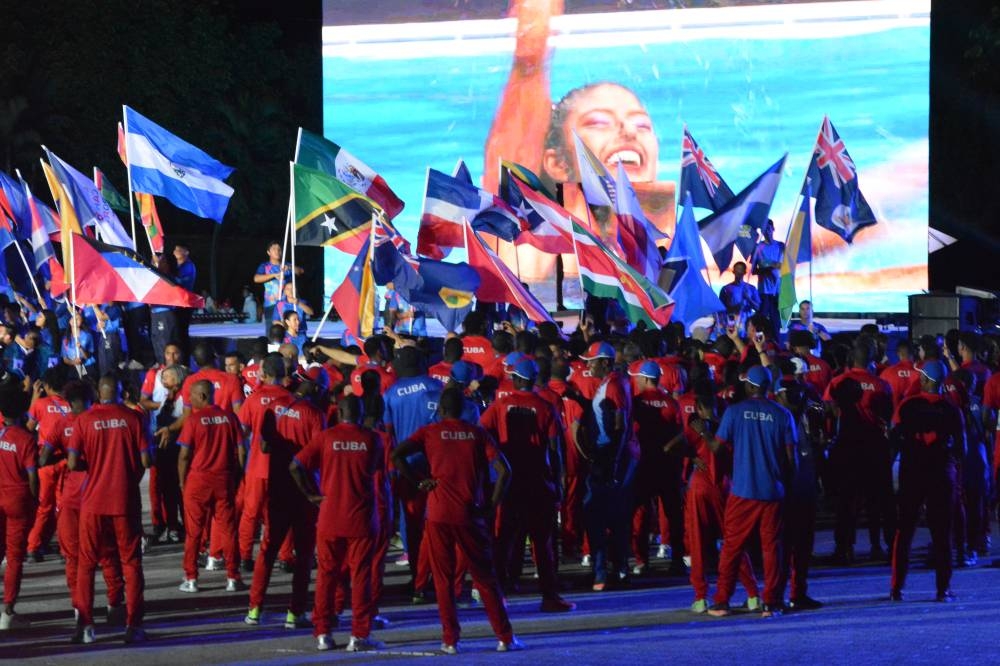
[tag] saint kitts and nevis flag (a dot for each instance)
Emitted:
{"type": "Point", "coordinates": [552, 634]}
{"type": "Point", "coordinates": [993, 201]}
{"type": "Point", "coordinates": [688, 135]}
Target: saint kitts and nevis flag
{"type": "Point", "coordinates": [605, 275]}
{"type": "Point", "coordinates": [328, 212]}
{"type": "Point", "coordinates": [165, 165]}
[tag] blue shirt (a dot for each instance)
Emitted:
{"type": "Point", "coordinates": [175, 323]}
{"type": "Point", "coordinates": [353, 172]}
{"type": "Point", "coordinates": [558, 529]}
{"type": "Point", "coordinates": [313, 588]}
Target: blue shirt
{"type": "Point", "coordinates": [186, 274]}
{"type": "Point", "coordinates": [768, 279]}
{"type": "Point", "coordinates": [759, 431]}
{"type": "Point", "coordinates": [411, 403]}
{"type": "Point", "coordinates": [271, 294]}
{"type": "Point", "coordinates": [69, 350]}
{"type": "Point", "coordinates": [740, 297]}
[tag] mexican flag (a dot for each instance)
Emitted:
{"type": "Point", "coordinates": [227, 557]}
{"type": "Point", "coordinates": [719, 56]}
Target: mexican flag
{"type": "Point", "coordinates": [313, 151]}
{"type": "Point", "coordinates": [607, 276]}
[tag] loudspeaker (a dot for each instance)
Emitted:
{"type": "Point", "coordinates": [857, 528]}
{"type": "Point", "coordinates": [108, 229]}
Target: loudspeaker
{"type": "Point", "coordinates": [936, 314]}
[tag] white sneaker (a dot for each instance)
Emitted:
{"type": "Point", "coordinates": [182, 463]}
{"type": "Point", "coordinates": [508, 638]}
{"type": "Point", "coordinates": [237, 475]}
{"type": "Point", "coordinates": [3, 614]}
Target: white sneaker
{"type": "Point", "coordinates": [325, 642]}
{"type": "Point", "coordinates": [585, 562]}
{"type": "Point", "coordinates": [215, 564]}
{"type": "Point", "coordinates": [448, 649]}
{"type": "Point", "coordinates": [235, 585]}
{"type": "Point", "coordinates": [513, 645]}
{"type": "Point", "coordinates": [687, 561]}
{"type": "Point", "coordinates": [476, 596]}
{"type": "Point", "coordinates": [85, 635]}
{"type": "Point", "coordinates": [363, 644]}
{"type": "Point", "coordinates": [639, 569]}
{"type": "Point", "coordinates": [10, 621]}
{"type": "Point", "coordinates": [663, 552]}
{"type": "Point", "coordinates": [189, 585]}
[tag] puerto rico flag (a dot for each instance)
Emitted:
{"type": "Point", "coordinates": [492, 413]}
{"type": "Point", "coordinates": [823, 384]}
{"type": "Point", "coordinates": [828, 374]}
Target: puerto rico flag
{"type": "Point", "coordinates": [700, 178]}
{"type": "Point", "coordinates": [840, 206]}
{"type": "Point", "coordinates": [550, 223]}
{"type": "Point", "coordinates": [104, 273]}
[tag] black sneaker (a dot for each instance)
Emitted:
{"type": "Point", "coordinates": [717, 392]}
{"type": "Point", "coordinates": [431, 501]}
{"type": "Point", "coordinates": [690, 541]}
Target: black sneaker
{"type": "Point", "coordinates": [286, 566]}
{"type": "Point", "coordinates": [771, 611]}
{"type": "Point", "coordinates": [947, 596]}
{"type": "Point", "coordinates": [36, 556]}
{"type": "Point", "coordinates": [895, 595]}
{"type": "Point", "coordinates": [719, 610]}
{"type": "Point", "coordinates": [804, 602]}
{"type": "Point", "coordinates": [247, 566]}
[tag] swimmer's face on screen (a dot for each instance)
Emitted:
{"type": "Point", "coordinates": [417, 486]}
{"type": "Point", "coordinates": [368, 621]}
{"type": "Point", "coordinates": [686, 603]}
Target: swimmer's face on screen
{"type": "Point", "coordinates": [613, 123]}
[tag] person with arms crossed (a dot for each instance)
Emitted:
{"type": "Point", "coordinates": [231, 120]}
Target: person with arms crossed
{"type": "Point", "coordinates": [459, 457]}
{"type": "Point", "coordinates": [108, 441]}
{"type": "Point", "coordinates": [766, 265]}
{"type": "Point", "coordinates": [348, 458]}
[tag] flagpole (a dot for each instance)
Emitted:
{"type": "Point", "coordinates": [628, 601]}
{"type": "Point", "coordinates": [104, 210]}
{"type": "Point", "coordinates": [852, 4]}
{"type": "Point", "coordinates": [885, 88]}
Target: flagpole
{"type": "Point", "coordinates": [71, 270]}
{"type": "Point", "coordinates": [288, 231]}
{"type": "Point", "coordinates": [128, 169]}
{"type": "Point", "coordinates": [371, 259]}
{"type": "Point", "coordinates": [298, 142]}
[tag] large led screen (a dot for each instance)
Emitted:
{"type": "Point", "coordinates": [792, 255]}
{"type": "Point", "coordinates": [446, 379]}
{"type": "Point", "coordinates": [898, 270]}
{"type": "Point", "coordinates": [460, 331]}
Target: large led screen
{"type": "Point", "coordinates": [414, 84]}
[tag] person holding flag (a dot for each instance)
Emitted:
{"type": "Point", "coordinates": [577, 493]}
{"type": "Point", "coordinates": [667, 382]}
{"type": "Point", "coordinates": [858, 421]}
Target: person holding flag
{"type": "Point", "coordinates": [766, 265]}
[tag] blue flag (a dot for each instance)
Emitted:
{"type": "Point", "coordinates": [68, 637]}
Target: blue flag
{"type": "Point", "coordinates": [699, 178]}
{"type": "Point", "coordinates": [737, 221]}
{"type": "Point", "coordinates": [168, 166]}
{"type": "Point", "coordinates": [693, 297]}
{"type": "Point", "coordinates": [840, 206]}
{"type": "Point", "coordinates": [14, 205]}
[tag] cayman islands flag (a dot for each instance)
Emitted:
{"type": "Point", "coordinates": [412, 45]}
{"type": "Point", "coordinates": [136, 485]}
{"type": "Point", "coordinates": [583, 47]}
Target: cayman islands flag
{"type": "Point", "coordinates": [840, 206]}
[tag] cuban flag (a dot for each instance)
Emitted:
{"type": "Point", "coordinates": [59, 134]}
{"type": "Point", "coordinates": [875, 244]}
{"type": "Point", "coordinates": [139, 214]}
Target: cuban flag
{"type": "Point", "coordinates": [167, 166]}
{"type": "Point", "coordinates": [747, 210]}
{"type": "Point", "coordinates": [448, 203]}
{"type": "Point", "coordinates": [840, 206]}
{"type": "Point", "coordinates": [104, 273]}
{"type": "Point", "coordinates": [699, 177]}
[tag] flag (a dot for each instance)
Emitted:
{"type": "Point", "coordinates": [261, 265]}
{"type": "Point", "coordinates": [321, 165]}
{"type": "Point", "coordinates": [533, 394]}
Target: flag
{"type": "Point", "coordinates": [317, 152]}
{"type": "Point", "coordinates": [748, 210]}
{"type": "Point", "coordinates": [798, 234]}
{"type": "Point", "coordinates": [115, 199]}
{"type": "Point", "coordinates": [607, 276]}
{"type": "Point", "coordinates": [526, 175]}
{"type": "Point", "coordinates": [685, 262]}
{"type": "Point", "coordinates": [448, 203]}
{"type": "Point", "coordinates": [462, 173]}
{"type": "Point", "coordinates": [355, 297]}
{"type": "Point", "coordinates": [90, 206]}
{"type": "Point", "coordinates": [498, 284]}
{"type": "Point", "coordinates": [699, 177]}
{"type": "Point", "coordinates": [46, 263]}
{"type": "Point", "coordinates": [636, 235]}
{"type": "Point", "coordinates": [597, 183]}
{"type": "Point", "coordinates": [6, 233]}
{"type": "Point", "coordinates": [328, 212]}
{"type": "Point", "coordinates": [840, 206]}
{"type": "Point", "coordinates": [104, 273]}
{"type": "Point", "coordinates": [440, 289]}
{"type": "Point", "coordinates": [168, 166]}
{"type": "Point", "coordinates": [445, 291]}
{"type": "Point", "coordinates": [549, 223]}
{"type": "Point", "coordinates": [14, 205]}
{"type": "Point", "coordinates": [150, 220]}
{"type": "Point", "coordinates": [69, 224]}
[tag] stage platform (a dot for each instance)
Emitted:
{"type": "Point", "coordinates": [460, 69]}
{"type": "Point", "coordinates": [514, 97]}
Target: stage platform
{"type": "Point", "coordinates": [333, 330]}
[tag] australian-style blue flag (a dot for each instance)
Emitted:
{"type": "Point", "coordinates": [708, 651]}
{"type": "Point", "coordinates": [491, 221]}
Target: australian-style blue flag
{"type": "Point", "coordinates": [699, 177]}
{"type": "Point", "coordinates": [737, 221]}
{"type": "Point", "coordinates": [840, 206]}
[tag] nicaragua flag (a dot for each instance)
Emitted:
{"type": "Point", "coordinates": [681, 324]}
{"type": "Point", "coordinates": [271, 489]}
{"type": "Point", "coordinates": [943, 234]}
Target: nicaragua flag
{"type": "Point", "coordinates": [748, 210]}
{"type": "Point", "coordinates": [167, 166]}
{"type": "Point", "coordinates": [103, 273]}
